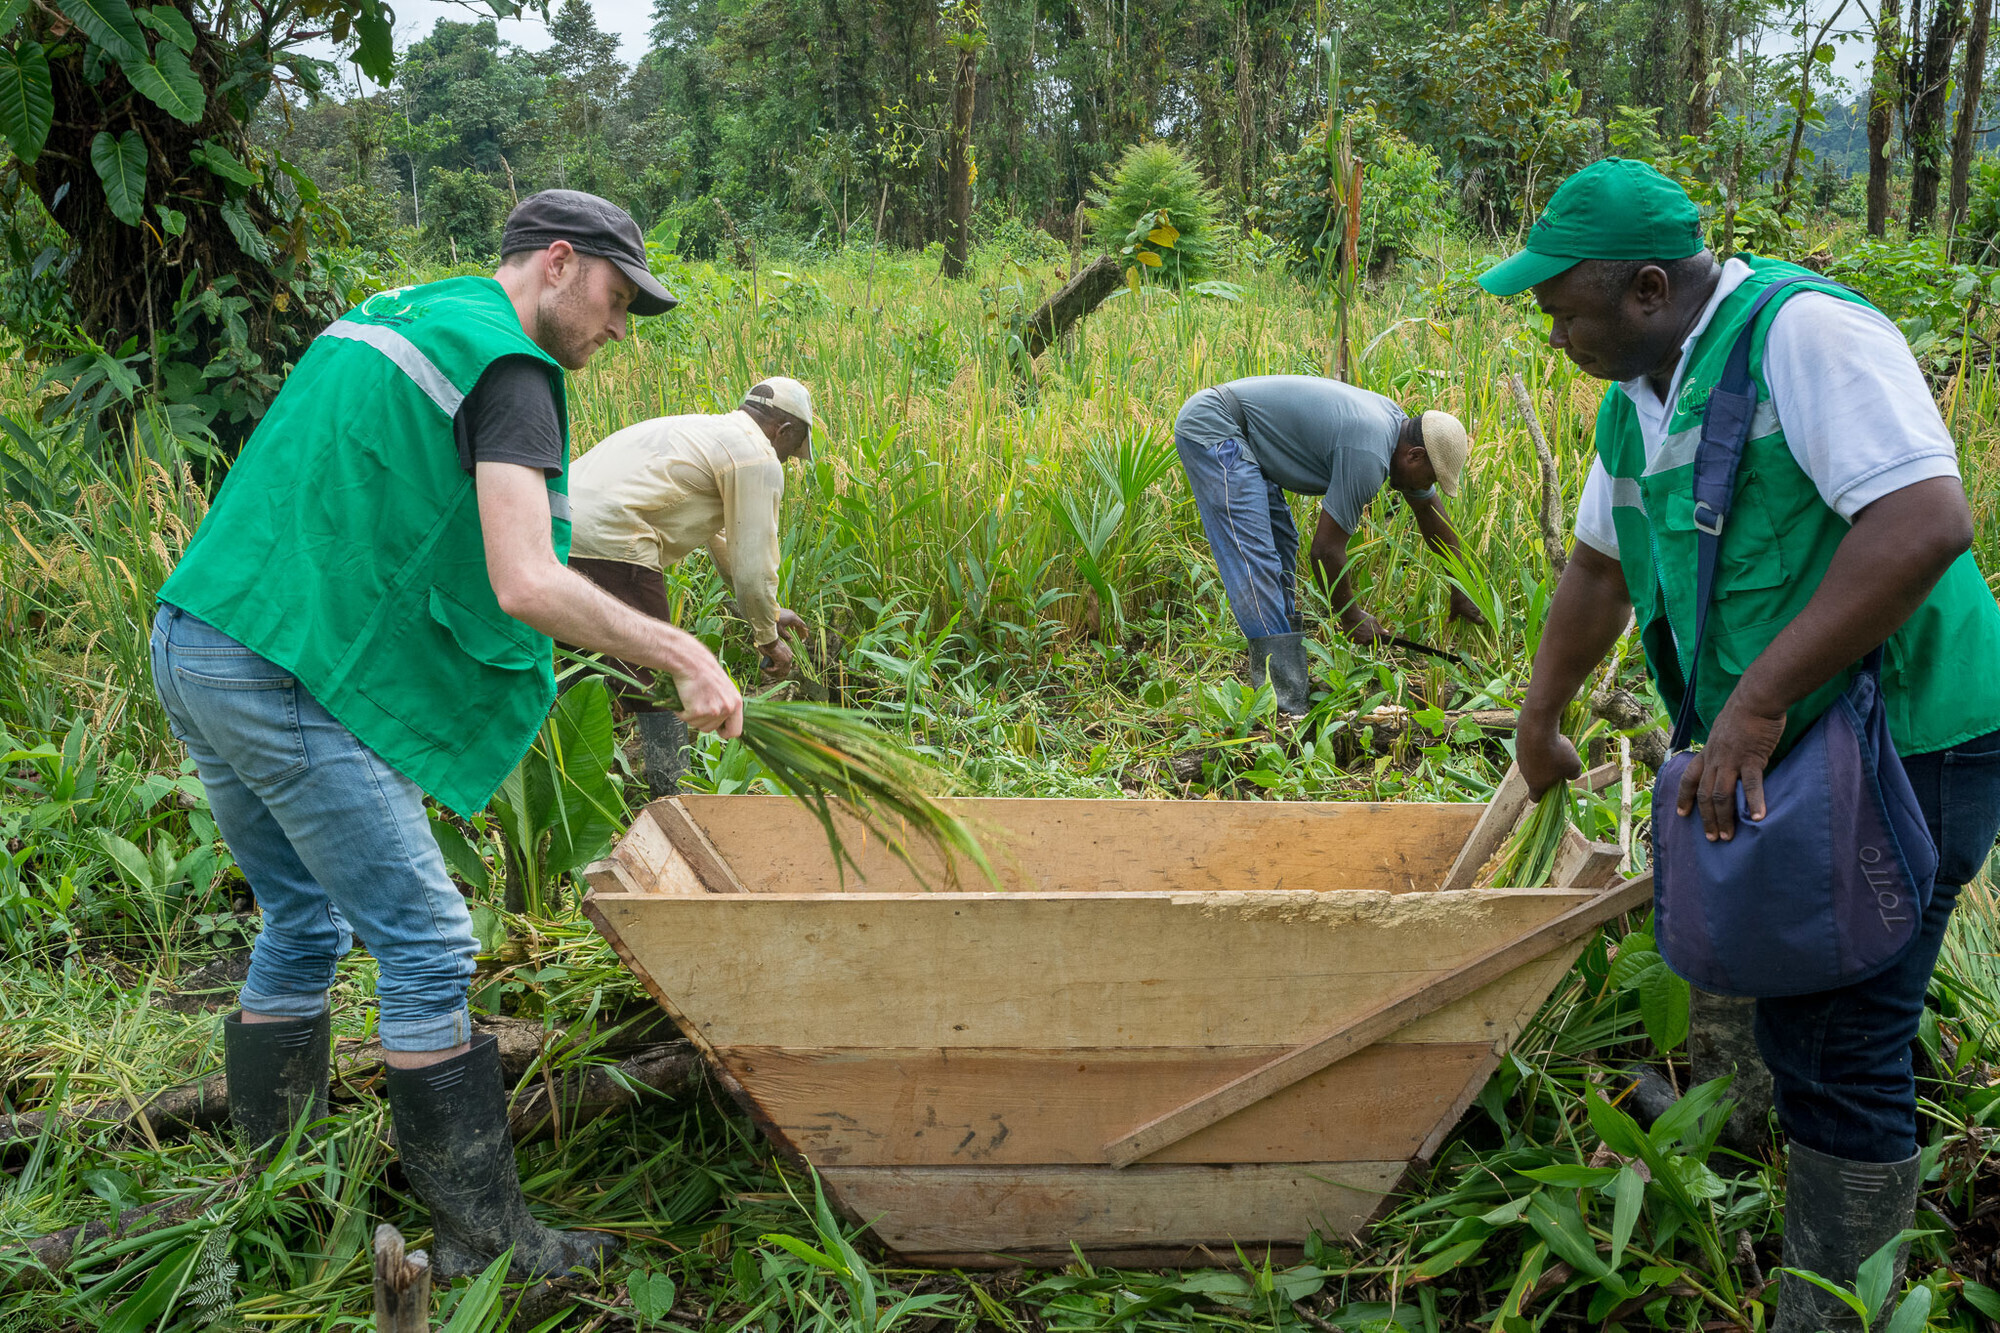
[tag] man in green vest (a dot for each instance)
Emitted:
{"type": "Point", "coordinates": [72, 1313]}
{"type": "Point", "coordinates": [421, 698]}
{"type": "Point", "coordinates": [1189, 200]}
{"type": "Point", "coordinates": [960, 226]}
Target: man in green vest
{"type": "Point", "coordinates": [366, 616]}
{"type": "Point", "coordinates": [1849, 530]}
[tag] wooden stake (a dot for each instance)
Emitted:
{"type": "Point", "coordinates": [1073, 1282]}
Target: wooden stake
{"type": "Point", "coordinates": [1392, 1015]}
{"type": "Point", "coordinates": [402, 1285]}
{"type": "Point", "coordinates": [1551, 513]}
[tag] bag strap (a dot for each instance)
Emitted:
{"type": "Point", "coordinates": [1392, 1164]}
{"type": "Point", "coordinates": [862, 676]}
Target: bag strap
{"type": "Point", "coordinates": [1725, 429]}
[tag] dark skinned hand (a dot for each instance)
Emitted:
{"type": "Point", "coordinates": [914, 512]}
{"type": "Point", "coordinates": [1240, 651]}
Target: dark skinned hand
{"type": "Point", "coordinates": [1738, 750]}
{"type": "Point", "coordinates": [1545, 757]}
{"type": "Point", "coordinates": [1463, 609]}
{"type": "Point", "coordinates": [1365, 629]}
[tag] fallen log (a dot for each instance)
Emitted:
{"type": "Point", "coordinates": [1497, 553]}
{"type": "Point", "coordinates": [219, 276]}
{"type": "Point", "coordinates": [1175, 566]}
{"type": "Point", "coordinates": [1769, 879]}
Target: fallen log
{"type": "Point", "coordinates": [571, 1100]}
{"type": "Point", "coordinates": [1072, 301]}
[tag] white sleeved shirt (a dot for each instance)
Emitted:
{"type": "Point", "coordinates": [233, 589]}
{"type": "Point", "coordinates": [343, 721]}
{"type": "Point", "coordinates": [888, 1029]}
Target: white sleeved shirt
{"type": "Point", "coordinates": [1856, 412]}
{"type": "Point", "coordinates": [652, 492]}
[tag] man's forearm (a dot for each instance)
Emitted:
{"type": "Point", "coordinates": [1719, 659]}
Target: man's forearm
{"type": "Point", "coordinates": [1435, 525]}
{"type": "Point", "coordinates": [1883, 569]}
{"type": "Point", "coordinates": [571, 609]}
{"type": "Point", "coordinates": [1588, 613]}
{"type": "Point", "coordinates": [1330, 569]}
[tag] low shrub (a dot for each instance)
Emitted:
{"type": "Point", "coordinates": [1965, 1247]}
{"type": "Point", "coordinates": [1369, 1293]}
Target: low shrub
{"type": "Point", "coordinates": [1153, 177]}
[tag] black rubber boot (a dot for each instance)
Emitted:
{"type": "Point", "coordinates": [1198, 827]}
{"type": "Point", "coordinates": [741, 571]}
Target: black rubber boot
{"type": "Point", "coordinates": [1281, 659]}
{"type": "Point", "coordinates": [663, 739]}
{"type": "Point", "coordinates": [451, 1130]}
{"type": "Point", "coordinates": [1720, 1041]}
{"type": "Point", "coordinates": [1837, 1213]}
{"type": "Point", "coordinates": [276, 1073]}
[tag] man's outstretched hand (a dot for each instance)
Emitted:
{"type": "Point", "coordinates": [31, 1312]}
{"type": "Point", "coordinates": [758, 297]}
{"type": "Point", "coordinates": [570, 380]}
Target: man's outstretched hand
{"type": "Point", "coordinates": [1365, 629]}
{"type": "Point", "coordinates": [1463, 609]}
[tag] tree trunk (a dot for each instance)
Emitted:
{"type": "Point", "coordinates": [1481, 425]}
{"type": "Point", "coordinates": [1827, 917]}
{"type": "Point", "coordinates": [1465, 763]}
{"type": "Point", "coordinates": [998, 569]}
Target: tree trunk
{"type": "Point", "coordinates": [1700, 97]}
{"type": "Point", "coordinates": [958, 162]}
{"type": "Point", "coordinates": [1078, 297]}
{"type": "Point", "coordinates": [1884, 95]}
{"type": "Point", "coordinates": [1802, 106]}
{"type": "Point", "coordinates": [1927, 111]}
{"type": "Point", "coordinates": [1971, 85]}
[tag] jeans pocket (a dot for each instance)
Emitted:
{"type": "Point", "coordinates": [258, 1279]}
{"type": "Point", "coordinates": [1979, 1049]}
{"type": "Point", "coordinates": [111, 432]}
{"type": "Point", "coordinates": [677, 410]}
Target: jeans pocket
{"type": "Point", "coordinates": [1969, 808]}
{"type": "Point", "coordinates": [1228, 451]}
{"type": "Point", "coordinates": [249, 716]}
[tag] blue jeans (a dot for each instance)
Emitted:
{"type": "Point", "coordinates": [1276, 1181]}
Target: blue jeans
{"type": "Point", "coordinates": [1840, 1060]}
{"type": "Point", "coordinates": [1248, 522]}
{"type": "Point", "coordinates": [328, 835]}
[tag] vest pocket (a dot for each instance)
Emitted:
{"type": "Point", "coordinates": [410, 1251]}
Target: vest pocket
{"type": "Point", "coordinates": [462, 675]}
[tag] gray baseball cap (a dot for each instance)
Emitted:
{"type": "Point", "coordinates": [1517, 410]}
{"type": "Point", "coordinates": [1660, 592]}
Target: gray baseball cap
{"type": "Point", "coordinates": [592, 226]}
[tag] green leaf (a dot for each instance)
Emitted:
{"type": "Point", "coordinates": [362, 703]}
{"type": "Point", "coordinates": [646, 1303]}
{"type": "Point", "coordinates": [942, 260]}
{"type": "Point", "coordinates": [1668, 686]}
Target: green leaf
{"type": "Point", "coordinates": [109, 23]}
{"type": "Point", "coordinates": [121, 165]}
{"type": "Point", "coordinates": [1981, 1298]}
{"type": "Point", "coordinates": [170, 83]}
{"type": "Point", "coordinates": [144, 1308]}
{"type": "Point", "coordinates": [652, 1295]}
{"type": "Point", "coordinates": [1570, 1176]}
{"type": "Point", "coordinates": [1629, 1194]}
{"type": "Point", "coordinates": [375, 48]}
{"type": "Point", "coordinates": [27, 102]}
{"type": "Point", "coordinates": [245, 231]}
{"type": "Point", "coordinates": [1663, 1007]}
{"type": "Point", "coordinates": [1557, 1221]}
{"type": "Point", "coordinates": [1445, 1260]}
{"type": "Point", "coordinates": [1914, 1313]}
{"type": "Point", "coordinates": [172, 221]}
{"type": "Point", "coordinates": [1875, 1280]}
{"type": "Point", "coordinates": [222, 162]}
{"type": "Point", "coordinates": [1620, 1132]}
{"type": "Point", "coordinates": [170, 24]}
{"type": "Point", "coordinates": [10, 14]}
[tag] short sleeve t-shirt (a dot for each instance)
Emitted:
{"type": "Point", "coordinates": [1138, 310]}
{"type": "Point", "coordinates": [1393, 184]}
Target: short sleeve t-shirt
{"type": "Point", "coordinates": [1316, 436]}
{"type": "Point", "coordinates": [510, 417]}
{"type": "Point", "coordinates": [1858, 418]}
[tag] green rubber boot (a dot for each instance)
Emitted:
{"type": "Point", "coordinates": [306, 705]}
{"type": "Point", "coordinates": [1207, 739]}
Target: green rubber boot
{"type": "Point", "coordinates": [451, 1131]}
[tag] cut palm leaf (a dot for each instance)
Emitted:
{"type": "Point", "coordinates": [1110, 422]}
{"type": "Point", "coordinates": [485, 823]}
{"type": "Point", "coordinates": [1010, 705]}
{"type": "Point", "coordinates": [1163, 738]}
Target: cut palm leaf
{"type": "Point", "coordinates": [1528, 861]}
{"type": "Point", "coordinates": [837, 761]}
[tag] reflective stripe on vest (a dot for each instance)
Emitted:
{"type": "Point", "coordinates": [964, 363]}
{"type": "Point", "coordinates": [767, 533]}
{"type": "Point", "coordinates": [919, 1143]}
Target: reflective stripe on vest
{"type": "Point", "coordinates": [411, 361]}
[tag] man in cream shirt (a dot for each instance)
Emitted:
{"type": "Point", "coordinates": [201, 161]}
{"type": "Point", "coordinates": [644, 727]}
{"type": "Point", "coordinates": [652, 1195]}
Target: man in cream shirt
{"type": "Point", "coordinates": [646, 496]}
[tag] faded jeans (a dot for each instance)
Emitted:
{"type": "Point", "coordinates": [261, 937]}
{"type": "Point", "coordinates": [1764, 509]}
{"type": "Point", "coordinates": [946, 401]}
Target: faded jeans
{"type": "Point", "coordinates": [333, 841]}
{"type": "Point", "coordinates": [1841, 1060]}
{"type": "Point", "coordinates": [1247, 519]}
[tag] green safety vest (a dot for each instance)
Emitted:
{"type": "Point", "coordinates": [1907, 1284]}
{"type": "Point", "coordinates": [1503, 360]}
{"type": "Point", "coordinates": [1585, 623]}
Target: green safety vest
{"type": "Point", "coordinates": [345, 544]}
{"type": "Point", "coordinates": [1938, 679]}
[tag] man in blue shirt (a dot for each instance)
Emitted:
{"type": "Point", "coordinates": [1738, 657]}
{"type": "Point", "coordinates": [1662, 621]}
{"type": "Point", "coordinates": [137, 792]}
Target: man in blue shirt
{"type": "Point", "coordinates": [1247, 443]}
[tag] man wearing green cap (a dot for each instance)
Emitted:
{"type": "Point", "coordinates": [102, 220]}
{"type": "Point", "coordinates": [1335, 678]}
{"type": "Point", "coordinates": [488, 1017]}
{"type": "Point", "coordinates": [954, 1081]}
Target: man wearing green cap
{"type": "Point", "coordinates": [1849, 529]}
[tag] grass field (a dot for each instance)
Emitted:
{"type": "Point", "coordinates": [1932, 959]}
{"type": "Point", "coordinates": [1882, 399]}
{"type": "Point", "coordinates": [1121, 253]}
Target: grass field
{"type": "Point", "coordinates": [1011, 570]}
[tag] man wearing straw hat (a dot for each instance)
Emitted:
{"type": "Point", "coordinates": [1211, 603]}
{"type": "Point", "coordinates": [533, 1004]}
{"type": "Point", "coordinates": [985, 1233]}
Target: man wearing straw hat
{"type": "Point", "coordinates": [1848, 531]}
{"type": "Point", "coordinates": [648, 495]}
{"type": "Point", "coordinates": [367, 616]}
{"type": "Point", "coordinates": [1247, 443]}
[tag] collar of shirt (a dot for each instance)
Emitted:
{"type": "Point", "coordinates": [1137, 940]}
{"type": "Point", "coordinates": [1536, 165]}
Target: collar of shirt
{"type": "Point", "coordinates": [1655, 412]}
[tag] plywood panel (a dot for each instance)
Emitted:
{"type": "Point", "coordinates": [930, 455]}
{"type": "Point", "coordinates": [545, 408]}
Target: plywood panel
{"type": "Point", "coordinates": [774, 845]}
{"type": "Point", "coordinates": [1048, 970]}
{"type": "Point", "coordinates": [987, 1108]}
{"type": "Point", "coordinates": [979, 1210]}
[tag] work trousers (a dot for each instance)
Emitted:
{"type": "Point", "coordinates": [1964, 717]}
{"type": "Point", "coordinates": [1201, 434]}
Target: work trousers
{"type": "Point", "coordinates": [1840, 1060]}
{"type": "Point", "coordinates": [333, 841]}
{"type": "Point", "coordinates": [645, 591]}
{"type": "Point", "coordinates": [1246, 516]}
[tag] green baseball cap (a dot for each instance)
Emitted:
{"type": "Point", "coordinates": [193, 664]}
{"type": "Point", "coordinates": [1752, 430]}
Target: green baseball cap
{"type": "Point", "coordinates": [1613, 209]}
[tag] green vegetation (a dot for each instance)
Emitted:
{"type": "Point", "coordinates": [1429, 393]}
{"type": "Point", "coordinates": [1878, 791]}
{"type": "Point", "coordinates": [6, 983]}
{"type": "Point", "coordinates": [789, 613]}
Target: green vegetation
{"type": "Point", "coordinates": [1014, 578]}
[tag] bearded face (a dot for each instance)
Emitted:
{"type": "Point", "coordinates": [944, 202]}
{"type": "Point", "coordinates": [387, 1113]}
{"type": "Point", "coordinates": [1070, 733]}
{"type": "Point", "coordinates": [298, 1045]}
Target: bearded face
{"type": "Point", "coordinates": [576, 318]}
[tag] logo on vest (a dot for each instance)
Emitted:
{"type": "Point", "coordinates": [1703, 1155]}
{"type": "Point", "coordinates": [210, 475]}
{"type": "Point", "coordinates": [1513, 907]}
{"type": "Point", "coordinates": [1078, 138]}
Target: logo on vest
{"type": "Point", "coordinates": [1694, 397]}
{"type": "Point", "coordinates": [1888, 898]}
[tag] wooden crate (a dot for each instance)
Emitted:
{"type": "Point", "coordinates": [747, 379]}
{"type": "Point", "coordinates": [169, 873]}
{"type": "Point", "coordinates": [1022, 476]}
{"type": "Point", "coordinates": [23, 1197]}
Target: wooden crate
{"type": "Point", "coordinates": [1179, 1028]}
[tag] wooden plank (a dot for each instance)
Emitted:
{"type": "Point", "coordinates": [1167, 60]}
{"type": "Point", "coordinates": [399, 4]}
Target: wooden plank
{"type": "Point", "coordinates": [1066, 970]}
{"type": "Point", "coordinates": [1583, 864]}
{"type": "Point", "coordinates": [916, 1107]}
{"type": "Point", "coordinates": [611, 876]}
{"type": "Point", "coordinates": [1287, 1255]}
{"type": "Point", "coordinates": [1502, 813]}
{"type": "Point", "coordinates": [996, 1209]}
{"type": "Point", "coordinates": [1339, 1042]}
{"type": "Point", "coordinates": [651, 862]}
{"type": "Point", "coordinates": [1113, 845]}
{"type": "Point", "coordinates": [693, 848]}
